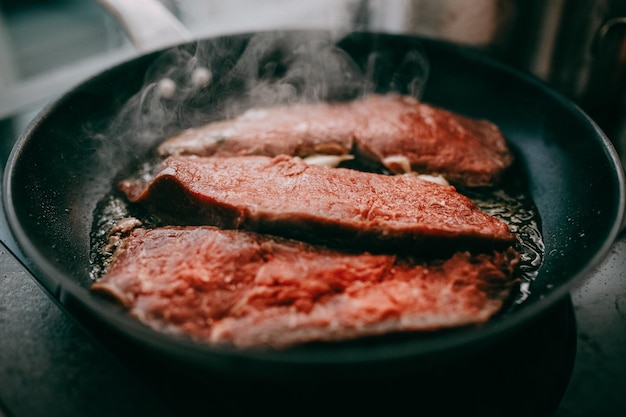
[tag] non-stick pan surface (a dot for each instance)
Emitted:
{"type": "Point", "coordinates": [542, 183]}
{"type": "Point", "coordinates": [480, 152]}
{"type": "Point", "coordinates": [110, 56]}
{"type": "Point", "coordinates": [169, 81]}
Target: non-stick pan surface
{"type": "Point", "coordinates": [73, 152]}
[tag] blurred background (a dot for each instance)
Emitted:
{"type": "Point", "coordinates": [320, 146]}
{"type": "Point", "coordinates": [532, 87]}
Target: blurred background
{"type": "Point", "coordinates": [579, 47]}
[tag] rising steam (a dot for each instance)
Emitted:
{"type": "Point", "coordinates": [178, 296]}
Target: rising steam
{"type": "Point", "coordinates": [218, 79]}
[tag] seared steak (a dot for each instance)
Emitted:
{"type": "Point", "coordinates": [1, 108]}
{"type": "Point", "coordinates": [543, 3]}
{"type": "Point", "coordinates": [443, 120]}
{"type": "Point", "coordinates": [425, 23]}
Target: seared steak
{"type": "Point", "coordinates": [402, 132]}
{"type": "Point", "coordinates": [397, 131]}
{"type": "Point", "coordinates": [285, 196]}
{"type": "Point", "coordinates": [228, 287]}
{"type": "Point", "coordinates": [300, 130]}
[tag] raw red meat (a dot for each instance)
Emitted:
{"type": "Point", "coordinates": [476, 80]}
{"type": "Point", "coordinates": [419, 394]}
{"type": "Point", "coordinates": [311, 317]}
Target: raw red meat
{"type": "Point", "coordinates": [396, 131]}
{"type": "Point", "coordinates": [285, 196]}
{"type": "Point", "coordinates": [300, 130]}
{"type": "Point", "coordinates": [236, 288]}
{"type": "Point", "coordinates": [431, 140]}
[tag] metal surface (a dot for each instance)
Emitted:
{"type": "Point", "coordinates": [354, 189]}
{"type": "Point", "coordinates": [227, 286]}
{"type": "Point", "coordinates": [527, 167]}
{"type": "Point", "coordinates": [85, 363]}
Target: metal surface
{"type": "Point", "coordinates": [576, 46]}
{"type": "Point", "coordinates": [149, 24]}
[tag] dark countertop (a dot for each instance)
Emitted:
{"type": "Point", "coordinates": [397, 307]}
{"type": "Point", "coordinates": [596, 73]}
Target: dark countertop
{"type": "Point", "coordinates": [598, 380]}
{"type": "Point", "coordinates": [50, 365]}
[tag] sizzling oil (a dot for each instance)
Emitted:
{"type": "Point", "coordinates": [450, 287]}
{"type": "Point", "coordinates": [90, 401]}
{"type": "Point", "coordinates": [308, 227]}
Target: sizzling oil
{"type": "Point", "coordinates": [511, 202]}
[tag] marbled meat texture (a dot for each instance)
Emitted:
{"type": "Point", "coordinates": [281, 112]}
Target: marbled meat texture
{"type": "Point", "coordinates": [299, 130]}
{"type": "Point", "coordinates": [285, 196]}
{"type": "Point", "coordinates": [237, 288]}
{"type": "Point", "coordinates": [396, 131]}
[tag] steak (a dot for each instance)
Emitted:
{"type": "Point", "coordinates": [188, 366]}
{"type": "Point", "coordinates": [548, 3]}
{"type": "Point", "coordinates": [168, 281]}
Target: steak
{"type": "Point", "coordinates": [398, 132]}
{"type": "Point", "coordinates": [406, 134]}
{"type": "Point", "coordinates": [237, 288]}
{"type": "Point", "coordinates": [299, 130]}
{"type": "Point", "coordinates": [285, 196]}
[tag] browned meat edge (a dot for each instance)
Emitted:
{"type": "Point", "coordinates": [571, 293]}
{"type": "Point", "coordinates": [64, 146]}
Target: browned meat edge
{"type": "Point", "coordinates": [285, 196]}
{"type": "Point", "coordinates": [398, 132]}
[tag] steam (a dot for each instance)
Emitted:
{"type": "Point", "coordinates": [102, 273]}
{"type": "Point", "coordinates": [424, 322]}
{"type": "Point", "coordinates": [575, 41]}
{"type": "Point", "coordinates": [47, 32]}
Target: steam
{"type": "Point", "coordinates": [218, 79]}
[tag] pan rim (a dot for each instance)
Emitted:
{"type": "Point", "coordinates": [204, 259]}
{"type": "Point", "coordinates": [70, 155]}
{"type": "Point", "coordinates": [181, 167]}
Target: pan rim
{"type": "Point", "coordinates": [62, 283]}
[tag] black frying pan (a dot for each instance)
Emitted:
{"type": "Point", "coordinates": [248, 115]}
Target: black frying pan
{"type": "Point", "coordinates": [69, 158]}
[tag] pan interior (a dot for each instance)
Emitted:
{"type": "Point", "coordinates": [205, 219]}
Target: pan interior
{"type": "Point", "coordinates": [70, 157]}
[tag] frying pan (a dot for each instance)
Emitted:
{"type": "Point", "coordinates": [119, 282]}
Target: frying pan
{"type": "Point", "coordinates": [71, 154]}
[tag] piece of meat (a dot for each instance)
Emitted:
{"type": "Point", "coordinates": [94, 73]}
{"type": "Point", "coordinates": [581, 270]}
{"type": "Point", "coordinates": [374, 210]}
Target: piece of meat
{"type": "Point", "coordinates": [402, 132]}
{"type": "Point", "coordinates": [398, 132]}
{"type": "Point", "coordinates": [299, 130]}
{"type": "Point", "coordinates": [237, 288]}
{"type": "Point", "coordinates": [285, 196]}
